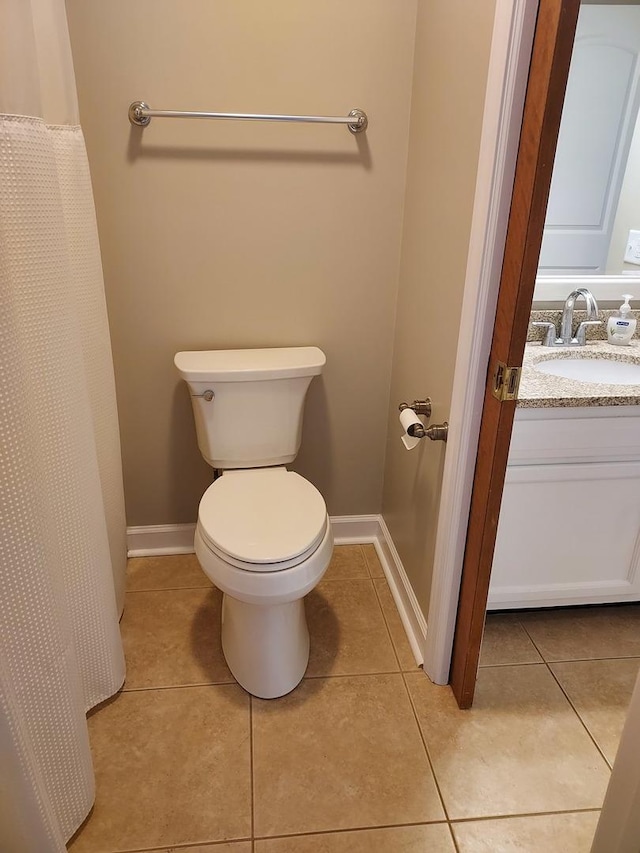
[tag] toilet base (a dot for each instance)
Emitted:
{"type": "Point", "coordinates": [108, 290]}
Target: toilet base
{"type": "Point", "coordinates": [266, 647]}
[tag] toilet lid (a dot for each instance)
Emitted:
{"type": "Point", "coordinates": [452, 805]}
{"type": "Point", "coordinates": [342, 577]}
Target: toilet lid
{"type": "Point", "coordinates": [262, 516]}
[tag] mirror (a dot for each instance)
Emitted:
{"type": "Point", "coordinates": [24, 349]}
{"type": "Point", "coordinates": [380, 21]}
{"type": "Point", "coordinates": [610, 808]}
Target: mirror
{"type": "Point", "coordinates": [595, 192]}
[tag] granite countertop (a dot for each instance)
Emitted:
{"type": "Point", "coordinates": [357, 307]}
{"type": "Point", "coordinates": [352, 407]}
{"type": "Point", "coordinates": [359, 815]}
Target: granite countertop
{"type": "Point", "coordinates": [540, 390]}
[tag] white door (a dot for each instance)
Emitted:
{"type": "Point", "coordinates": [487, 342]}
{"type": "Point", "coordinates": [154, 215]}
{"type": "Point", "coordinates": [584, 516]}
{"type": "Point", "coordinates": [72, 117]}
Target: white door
{"type": "Point", "coordinates": [597, 126]}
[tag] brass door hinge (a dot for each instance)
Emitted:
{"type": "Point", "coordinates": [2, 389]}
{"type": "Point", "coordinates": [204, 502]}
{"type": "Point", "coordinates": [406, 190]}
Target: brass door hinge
{"type": "Point", "coordinates": [506, 381]}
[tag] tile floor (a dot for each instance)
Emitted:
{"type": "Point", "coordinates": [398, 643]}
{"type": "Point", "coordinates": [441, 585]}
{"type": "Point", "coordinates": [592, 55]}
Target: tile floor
{"type": "Point", "coordinates": [366, 755]}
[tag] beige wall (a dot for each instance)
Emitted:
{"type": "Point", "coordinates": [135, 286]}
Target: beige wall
{"type": "Point", "coordinates": [451, 61]}
{"type": "Point", "coordinates": [234, 234]}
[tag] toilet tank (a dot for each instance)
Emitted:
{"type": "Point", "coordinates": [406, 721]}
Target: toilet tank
{"type": "Point", "coordinates": [254, 416]}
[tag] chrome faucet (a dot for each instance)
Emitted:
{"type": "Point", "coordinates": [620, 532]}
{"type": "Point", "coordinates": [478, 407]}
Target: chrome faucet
{"type": "Point", "coordinates": [565, 338]}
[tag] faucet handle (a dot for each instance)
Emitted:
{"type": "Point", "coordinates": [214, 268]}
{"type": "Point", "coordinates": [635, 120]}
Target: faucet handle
{"type": "Point", "coordinates": [551, 334]}
{"type": "Point", "coordinates": [581, 334]}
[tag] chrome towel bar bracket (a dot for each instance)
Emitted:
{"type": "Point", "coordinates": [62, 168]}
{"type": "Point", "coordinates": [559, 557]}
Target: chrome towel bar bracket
{"type": "Point", "coordinates": [141, 114]}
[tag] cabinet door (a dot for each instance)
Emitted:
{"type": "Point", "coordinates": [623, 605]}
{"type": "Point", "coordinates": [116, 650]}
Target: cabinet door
{"type": "Point", "coordinates": [568, 534]}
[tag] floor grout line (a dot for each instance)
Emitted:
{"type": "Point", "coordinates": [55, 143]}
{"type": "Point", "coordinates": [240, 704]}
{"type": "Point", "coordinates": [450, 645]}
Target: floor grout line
{"type": "Point", "coordinates": [366, 561]}
{"type": "Point", "coordinates": [591, 660]}
{"type": "Point", "coordinates": [364, 828]}
{"type": "Point", "coordinates": [187, 845]}
{"type": "Point", "coordinates": [523, 814]}
{"type": "Point", "coordinates": [578, 715]}
{"type": "Point", "coordinates": [386, 625]}
{"type": "Point", "coordinates": [353, 674]}
{"type": "Point", "coordinates": [448, 821]}
{"type": "Point", "coordinates": [424, 744]}
{"type": "Point", "coordinates": [547, 660]}
{"type": "Point", "coordinates": [349, 829]}
{"type": "Point", "coordinates": [566, 696]}
{"type": "Point", "coordinates": [179, 686]}
{"type": "Point", "coordinates": [234, 683]}
{"type": "Point", "coordinates": [454, 840]}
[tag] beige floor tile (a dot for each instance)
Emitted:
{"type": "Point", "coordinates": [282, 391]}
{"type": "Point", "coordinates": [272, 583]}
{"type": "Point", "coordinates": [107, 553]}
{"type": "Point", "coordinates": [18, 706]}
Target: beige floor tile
{"type": "Point", "coordinates": [347, 563]}
{"type": "Point", "coordinates": [506, 642]}
{"type": "Point", "coordinates": [520, 749]}
{"type": "Point", "coordinates": [600, 691]}
{"type": "Point", "coordinates": [179, 571]}
{"type": "Point", "coordinates": [373, 561]}
{"type": "Point", "coordinates": [561, 833]}
{"type": "Point", "coordinates": [172, 767]}
{"type": "Point", "coordinates": [434, 838]}
{"type": "Point", "coordinates": [585, 633]}
{"type": "Point", "coordinates": [396, 628]}
{"type": "Point", "coordinates": [172, 638]}
{"type": "Point", "coordinates": [340, 753]}
{"type": "Point", "coordinates": [347, 629]}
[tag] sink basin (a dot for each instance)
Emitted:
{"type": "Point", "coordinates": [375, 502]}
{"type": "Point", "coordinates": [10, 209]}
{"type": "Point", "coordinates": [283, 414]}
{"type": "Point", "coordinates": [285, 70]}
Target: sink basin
{"type": "Point", "coordinates": [603, 370]}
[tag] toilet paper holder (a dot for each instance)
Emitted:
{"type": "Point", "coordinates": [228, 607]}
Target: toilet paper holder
{"type": "Point", "coordinates": [435, 432]}
{"type": "Point", "coordinates": [420, 407]}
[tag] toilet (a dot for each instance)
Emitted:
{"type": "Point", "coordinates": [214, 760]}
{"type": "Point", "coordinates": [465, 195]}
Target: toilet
{"type": "Point", "coordinates": [263, 535]}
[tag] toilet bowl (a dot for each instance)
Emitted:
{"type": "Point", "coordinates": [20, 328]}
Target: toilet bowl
{"type": "Point", "coordinates": [264, 538]}
{"type": "Point", "coordinates": [263, 535]}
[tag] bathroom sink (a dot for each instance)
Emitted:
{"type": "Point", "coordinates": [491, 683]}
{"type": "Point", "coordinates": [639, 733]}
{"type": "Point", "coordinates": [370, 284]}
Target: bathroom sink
{"type": "Point", "coordinates": [601, 370]}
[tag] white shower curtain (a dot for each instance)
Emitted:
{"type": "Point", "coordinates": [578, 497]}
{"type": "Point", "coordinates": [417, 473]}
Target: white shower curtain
{"type": "Point", "coordinates": [62, 529]}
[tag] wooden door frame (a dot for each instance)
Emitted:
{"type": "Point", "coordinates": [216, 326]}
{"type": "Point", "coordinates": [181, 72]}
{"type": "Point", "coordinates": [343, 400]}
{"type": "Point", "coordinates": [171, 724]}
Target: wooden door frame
{"type": "Point", "coordinates": [504, 112]}
{"type": "Point", "coordinates": [510, 57]}
{"type": "Point", "coordinates": [550, 59]}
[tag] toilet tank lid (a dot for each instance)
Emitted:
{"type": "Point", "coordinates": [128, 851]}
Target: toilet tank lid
{"type": "Point", "coordinates": [245, 365]}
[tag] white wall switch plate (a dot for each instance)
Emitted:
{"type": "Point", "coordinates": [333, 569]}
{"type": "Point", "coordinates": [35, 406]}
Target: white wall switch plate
{"type": "Point", "coordinates": [632, 254]}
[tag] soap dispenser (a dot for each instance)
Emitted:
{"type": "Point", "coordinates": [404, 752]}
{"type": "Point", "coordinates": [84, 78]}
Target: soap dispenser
{"type": "Point", "coordinates": [621, 326]}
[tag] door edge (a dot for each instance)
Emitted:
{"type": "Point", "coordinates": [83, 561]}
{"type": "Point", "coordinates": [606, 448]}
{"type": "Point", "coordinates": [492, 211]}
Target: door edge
{"type": "Point", "coordinates": [514, 25]}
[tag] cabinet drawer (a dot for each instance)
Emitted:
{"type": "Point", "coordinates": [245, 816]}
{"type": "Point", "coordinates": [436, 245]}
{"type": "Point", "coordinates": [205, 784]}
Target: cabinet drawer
{"type": "Point", "coordinates": [575, 435]}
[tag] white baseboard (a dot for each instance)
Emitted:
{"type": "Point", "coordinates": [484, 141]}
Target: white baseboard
{"type": "Point", "coordinates": [156, 540]}
{"type": "Point", "coordinates": [165, 539]}
{"type": "Point", "coordinates": [411, 615]}
{"type": "Point", "coordinates": [355, 529]}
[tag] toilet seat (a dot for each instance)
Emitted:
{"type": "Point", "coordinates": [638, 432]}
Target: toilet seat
{"type": "Point", "coordinates": [262, 519]}
{"type": "Point", "coordinates": [265, 588]}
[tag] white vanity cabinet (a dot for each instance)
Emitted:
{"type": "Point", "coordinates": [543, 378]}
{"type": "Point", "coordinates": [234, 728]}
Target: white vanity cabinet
{"type": "Point", "coordinates": [569, 530]}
